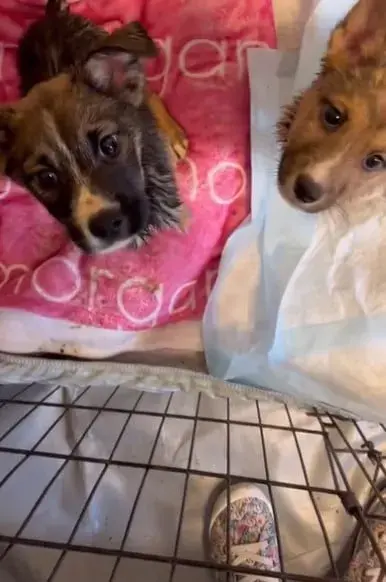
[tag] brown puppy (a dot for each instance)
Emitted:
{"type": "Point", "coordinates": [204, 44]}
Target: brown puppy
{"type": "Point", "coordinates": [334, 135]}
{"type": "Point", "coordinates": [84, 137]}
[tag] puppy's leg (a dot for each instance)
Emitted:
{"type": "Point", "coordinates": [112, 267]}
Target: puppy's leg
{"type": "Point", "coordinates": [173, 132]}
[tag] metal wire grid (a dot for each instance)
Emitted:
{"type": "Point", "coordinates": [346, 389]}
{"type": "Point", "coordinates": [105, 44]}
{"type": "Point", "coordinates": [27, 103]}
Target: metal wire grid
{"type": "Point", "coordinates": [28, 445]}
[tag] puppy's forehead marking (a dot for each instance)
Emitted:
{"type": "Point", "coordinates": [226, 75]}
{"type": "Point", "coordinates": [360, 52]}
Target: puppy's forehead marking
{"type": "Point", "coordinates": [47, 91]}
{"type": "Point", "coordinates": [380, 96]}
{"type": "Point", "coordinates": [321, 171]}
{"type": "Point", "coordinates": [41, 135]}
{"type": "Point", "coordinates": [59, 150]}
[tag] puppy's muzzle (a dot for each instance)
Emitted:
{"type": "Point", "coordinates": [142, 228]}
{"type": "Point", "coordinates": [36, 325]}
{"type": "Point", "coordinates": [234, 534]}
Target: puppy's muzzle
{"type": "Point", "coordinates": [101, 223]}
{"type": "Point", "coordinates": [113, 224]}
{"type": "Point", "coordinates": [306, 190]}
{"type": "Point", "coordinates": [305, 193]}
{"type": "Point", "coordinates": [110, 225]}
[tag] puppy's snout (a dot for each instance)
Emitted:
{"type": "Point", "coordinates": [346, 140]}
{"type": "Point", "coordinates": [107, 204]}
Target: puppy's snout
{"type": "Point", "coordinates": [109, 225]}
{"type": "Point", "coordinates": [306, 190]}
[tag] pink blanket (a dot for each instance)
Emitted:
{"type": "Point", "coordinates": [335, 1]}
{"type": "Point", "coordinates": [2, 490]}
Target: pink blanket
{"type": "Point", "coordinates": [201, 74]}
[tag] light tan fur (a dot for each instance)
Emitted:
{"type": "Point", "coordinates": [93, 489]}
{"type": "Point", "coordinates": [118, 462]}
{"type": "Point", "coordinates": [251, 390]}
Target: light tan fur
{"type": "Point", "coordinates": [173, 132]}
{"type": "Point", "coordinates": [87, 205]}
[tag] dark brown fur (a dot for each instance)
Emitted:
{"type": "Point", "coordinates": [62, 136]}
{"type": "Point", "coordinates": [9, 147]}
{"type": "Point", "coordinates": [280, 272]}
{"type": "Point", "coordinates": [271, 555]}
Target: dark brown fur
{"type": "Point", "coordinates": [322, 165]}
{"type": "Point", "coordinates": [83, 97]}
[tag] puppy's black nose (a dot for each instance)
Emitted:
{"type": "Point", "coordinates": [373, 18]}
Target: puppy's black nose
{"type": "Point", "coordinates": [108, 225]}
{"type": "Point", "coordinates": [307, 190]}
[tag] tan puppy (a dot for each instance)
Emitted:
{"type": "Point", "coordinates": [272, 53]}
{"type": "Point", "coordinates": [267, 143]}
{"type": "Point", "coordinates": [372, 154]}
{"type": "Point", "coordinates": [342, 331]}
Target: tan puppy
{"type": "Point", "coordinates": [334, 135]}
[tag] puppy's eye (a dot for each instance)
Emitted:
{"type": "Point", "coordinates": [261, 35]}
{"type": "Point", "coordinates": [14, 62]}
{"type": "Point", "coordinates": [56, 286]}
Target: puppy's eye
{"type": "Point", "coordinates": [332, 118]}
{"type": "Point", "coordinates": [46, 180]}
{"type": "Point", "coordinates": [109, 146]}
{"type": "Point", "coordinates": [374, 162]}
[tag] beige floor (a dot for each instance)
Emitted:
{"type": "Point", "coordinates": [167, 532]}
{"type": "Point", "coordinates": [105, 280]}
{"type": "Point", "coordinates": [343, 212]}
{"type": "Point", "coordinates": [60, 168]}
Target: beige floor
{"type": "Point", "coordinates": [291, 16]}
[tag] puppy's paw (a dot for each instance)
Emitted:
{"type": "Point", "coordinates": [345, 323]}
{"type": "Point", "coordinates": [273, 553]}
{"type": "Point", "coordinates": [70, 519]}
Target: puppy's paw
{"type": "Point", "coordinates": [178, 140]}
{"type": "Point", "coordinates": [185, 218]}
{"type": "Point", "coordinates": [172, 131]}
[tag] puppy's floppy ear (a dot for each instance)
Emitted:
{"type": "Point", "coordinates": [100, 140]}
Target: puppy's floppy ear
{"type": "Point", "coordinates": [360, 38]}
{"type": "Point", "coordinates": [115, 67]}
{"type": "Point", "coordinates": [7, 128]}
{"type": "Point", "coordinates": [134, 39]}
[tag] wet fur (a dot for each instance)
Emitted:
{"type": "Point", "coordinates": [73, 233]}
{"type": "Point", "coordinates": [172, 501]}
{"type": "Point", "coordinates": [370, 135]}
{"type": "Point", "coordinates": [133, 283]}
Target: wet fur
{"type": "Point", "coordinates": [353, 78]}
{"type": "Point", "coordinates": [69, 99]}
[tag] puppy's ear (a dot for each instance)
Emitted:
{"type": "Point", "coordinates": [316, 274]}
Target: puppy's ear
{"type": "Point", "coordinates": [115, 67]}
{"type": "Point", "coordinates": [117, 73]}
{"type": "Point", "coordinates": [360, 38]}
{"type": "Point", "coordinates": [134, 39]}
{"type": "Point", "coordinates": [7, 127]}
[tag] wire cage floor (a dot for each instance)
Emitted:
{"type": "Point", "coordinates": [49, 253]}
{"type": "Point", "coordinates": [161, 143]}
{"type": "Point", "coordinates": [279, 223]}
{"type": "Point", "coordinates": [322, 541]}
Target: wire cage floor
{"type": "Point", "coordinates": [106, 485]}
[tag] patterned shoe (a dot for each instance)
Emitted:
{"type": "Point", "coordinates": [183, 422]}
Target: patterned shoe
{"type": "Point", "coordinates": [253, 540]}
{"type": "Point", "coordinates": [365, 565]}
